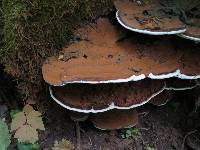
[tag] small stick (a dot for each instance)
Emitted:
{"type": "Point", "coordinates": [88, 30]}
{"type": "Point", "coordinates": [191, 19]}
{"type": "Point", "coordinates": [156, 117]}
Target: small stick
{"type": "Point", "coordinates": [144, 129]}
{"type": "Point", "coordinates": [78, 136]}
{"type": "Point", "coordinates": [87, 136]}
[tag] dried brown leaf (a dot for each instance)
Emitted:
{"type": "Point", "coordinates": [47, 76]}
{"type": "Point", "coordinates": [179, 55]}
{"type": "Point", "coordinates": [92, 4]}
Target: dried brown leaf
{"type": "Point", "coordinates": [26, 134]}
{"type": "Point", "coordinates": [35, 120]}
{"type": "Point", "coordinates": [63, 145]}
{"type": "Point", "coordinates": [26, 124]}
{"type": "Point", "coordinates": [18, 121]}
{"type": "Point", "coordinates": [27, 109]}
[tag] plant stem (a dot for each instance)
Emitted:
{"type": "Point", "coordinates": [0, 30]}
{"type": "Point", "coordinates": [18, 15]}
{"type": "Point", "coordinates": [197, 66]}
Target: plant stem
{"type": "Point", "coordinates": [78, 136]}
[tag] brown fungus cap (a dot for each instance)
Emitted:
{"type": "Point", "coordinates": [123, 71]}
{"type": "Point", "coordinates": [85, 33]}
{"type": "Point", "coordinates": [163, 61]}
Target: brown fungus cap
{"type": "Point", "coordinates": [100, 57]}
{"type": "Point", "coordinates": [115, 119]}
{"type": "Point", "coordinates": [95, 98]}
{"type": "Point", "coordinates": [143, 18]}
{"type": "Point", "coordinates": [162, 98]}
{"type": "Point", "coordinates": [147, 18]}
{"type": "Point", "coordinates": [193, 31]}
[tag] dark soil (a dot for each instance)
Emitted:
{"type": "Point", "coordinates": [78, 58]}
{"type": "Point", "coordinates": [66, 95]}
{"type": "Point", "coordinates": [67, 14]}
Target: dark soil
{"type": "Point", "coordinates": [164, 128]}
{"type": "Point", "coordinates": [8, 90]}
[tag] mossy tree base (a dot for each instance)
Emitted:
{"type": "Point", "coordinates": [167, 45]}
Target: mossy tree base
{"type": "Point", "coordinates": [36, 29]}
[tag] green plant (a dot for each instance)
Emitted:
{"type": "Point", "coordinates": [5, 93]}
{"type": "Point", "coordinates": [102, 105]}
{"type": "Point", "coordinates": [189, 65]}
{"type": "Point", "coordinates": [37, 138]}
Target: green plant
{"type": "Point", "coordinates": [4, 136]}
{"type": "Point", "coordinates": [1, 24]}
{"type": "Point", "coordinates": [13, 113]}
{"type": "Point", "coordinates": [150, 148]}
{"type": "Point", "coordinates": [27, 146]}
{"type": "Point", "coordinates": [130, 133]}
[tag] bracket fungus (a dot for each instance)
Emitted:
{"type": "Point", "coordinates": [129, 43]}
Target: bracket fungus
{"type": "Point", "coordinates": [173, 85]}
{"type": "Point", "coordinates": [105, 73]}
{"type": "Point", "coordinates": [110, 60]}
{"type": "Point", "coordinates": [148, 18]}
{"type": "Point", "coordinates": [162, 98]}
{"type": "Point", "coordinates": [161, 17]}
{"type": "Point", "coordinates": [115, 119]}
{"type": "Point", "coordinates": [96, 98]}
{"type": "Point", "coordinates": [181, 85]}
{"type": "Point", "coordinates": [193, 31]}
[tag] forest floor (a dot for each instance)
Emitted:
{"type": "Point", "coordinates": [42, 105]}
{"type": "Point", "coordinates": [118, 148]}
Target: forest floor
{"type": "Point", "coordinates": [170, 127]}
{"type": "Point", "coordinates": [174, 126]}
{"type": "Point", "coordinates": [164, 128]}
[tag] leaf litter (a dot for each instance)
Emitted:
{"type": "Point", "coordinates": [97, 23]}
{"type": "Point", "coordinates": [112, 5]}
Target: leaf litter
{"type": "Point", "coordinates": [25, 125]}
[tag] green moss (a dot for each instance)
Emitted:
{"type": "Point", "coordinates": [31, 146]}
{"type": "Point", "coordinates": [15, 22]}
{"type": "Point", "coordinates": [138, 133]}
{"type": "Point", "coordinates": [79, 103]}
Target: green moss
{"type": "Point", "coordinates": [1, 25]}
{"type": "Point", "coordinates": [36, 29]}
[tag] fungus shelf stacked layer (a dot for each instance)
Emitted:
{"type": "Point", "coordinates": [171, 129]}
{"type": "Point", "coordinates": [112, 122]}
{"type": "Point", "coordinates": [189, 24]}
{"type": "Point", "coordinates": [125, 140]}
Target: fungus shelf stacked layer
{"type": "Point", "coordinates": [161, 17]}
{"type": "Point", "coordinates": [104, 56]}
{"type": "Point", "coordinates": [106, 73]}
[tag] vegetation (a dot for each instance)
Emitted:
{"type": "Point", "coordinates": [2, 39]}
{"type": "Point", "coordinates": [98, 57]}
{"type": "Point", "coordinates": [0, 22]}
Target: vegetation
{"type": "Point", "coordinates": [36, 29]}
{"type": "Point", "coordinates": [133, 133]}
{"type": "Point", "coordinates": [25, 146]}
{"type": "Point", "coordinates": [1, 24]}
{"type": "Point", "coordinates": [150, 148]}
{"type": "Point", "coordinates": [5, 136]}
{"type": "Point", "coordinates": [25, 125]}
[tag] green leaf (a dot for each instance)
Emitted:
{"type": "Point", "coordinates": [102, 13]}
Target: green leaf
{"type": "Point", "coordinates": [150, 148]}
{"type": "Point", "coordinates": [25, 146]}
{"type": "Point", "coordinates": [130, 133]}
{"type": "Point", "coordinates": [123, 136]}
{"type": "Point", "coordinates": [13, 113]}
{"type": "Point", "coordinates": [5, 136]}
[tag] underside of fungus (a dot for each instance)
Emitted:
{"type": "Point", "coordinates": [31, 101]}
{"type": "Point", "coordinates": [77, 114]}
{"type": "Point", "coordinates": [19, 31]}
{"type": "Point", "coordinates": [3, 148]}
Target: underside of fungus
{"type": "Point", "coordinates": [115, 119]}
{"type": "Point", "coordinates": [162, 98]}
{"type": "Point", "coordinates": [147, 18]}
{"type": "Point", "coordinates": [103, 55]}
{"type": "Point", "coordinates": [96, 98]}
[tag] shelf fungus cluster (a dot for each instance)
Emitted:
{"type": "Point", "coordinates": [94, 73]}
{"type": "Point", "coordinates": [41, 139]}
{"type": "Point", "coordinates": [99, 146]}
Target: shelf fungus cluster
{"type": "Point", "coordinates": [106, 75]}
{"type": "Point", "coordinates": [161, 17]}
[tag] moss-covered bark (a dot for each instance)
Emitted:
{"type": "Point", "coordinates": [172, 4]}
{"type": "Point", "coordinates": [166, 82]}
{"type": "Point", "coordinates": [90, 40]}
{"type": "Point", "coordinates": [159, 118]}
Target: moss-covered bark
{"type": "Point", "coordinates": [1, 25]}
{"type": "Point", "coordinates": [36, 29]}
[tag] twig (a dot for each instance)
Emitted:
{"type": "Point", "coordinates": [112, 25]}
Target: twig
{"type": "Point", "coordinates": [78, 136]}
{"type": "Point", "coordinates": [143, 114]}
{"type": "Point", "coordinates": [144, 129]}
{"type": "Point", "coordinates": [188, 134]}
{"type": "Point", "coordinates": [87, 136]}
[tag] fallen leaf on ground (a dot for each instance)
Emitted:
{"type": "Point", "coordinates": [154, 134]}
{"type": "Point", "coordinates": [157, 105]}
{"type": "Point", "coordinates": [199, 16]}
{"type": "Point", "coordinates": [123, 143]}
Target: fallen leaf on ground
{"type": "Point", "coordinates": [26, 123]}
{"type": "Point", "coordinates": [63, 145]}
